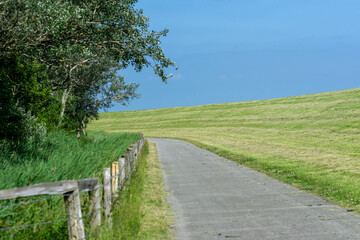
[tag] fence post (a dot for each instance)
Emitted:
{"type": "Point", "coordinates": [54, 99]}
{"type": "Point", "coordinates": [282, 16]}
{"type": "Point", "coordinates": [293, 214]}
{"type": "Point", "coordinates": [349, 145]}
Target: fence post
{"type": "Point", "coordinates": [73, 213]}
{"type": "Point", "coordinates": [136, 148]}
{"type": "Point", "coordinates": [130, 159]}
{"type": "Point", "coordinates": [107, 195]}
{"type": "Point", "coordinates": [114, 180]}
{"type": "Point", "coordinates": [122, 173]}
{"type": "Point", "coordinates": [133, 153]}
{"type": "Point", "coordinates": [94, 196]}
{"type": "Point", "coordinates": [127, 166]}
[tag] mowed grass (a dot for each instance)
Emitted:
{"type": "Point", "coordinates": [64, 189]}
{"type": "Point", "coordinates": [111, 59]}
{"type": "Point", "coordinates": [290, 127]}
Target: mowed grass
{"type": "Point", "coordinates": [157, 218]}
{"type": "Point", "coordinates": [310, 141]}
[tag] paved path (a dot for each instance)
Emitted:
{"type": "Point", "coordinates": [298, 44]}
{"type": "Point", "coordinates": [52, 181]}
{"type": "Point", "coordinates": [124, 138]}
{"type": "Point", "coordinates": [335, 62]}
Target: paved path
{"type": "Point", "coordinates": [214, 198]}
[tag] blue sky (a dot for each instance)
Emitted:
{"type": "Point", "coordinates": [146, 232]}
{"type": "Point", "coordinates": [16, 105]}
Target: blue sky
{"type": "Point", "coordinates": [239, 50]}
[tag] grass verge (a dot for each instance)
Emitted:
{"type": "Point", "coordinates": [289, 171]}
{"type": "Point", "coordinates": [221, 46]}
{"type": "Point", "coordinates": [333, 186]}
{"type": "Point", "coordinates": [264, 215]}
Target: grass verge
{"type": "Point", "coordinates": [141, 211]}
{"type": "Point", "coordinates": [157, 218]}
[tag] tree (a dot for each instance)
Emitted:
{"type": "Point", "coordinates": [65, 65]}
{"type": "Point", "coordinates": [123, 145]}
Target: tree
{"type": "Point", "coordinates": [87, 101]}
{"type": "Point", "coordinates": [82, 43]}
{"type": "Point", "coordinates": [23, 90]}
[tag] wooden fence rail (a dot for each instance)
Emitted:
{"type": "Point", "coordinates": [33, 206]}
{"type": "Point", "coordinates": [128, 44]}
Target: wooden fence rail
{"type": "Point", "coordinates": [113, 179]}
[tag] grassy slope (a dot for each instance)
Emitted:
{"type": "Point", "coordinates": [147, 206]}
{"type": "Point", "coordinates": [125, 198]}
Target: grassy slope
{"type": "Point", "coordinates": [310, 141]}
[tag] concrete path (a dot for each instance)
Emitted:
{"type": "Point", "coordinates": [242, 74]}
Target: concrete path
{"type": "Point", "coordinates": [214, 198]}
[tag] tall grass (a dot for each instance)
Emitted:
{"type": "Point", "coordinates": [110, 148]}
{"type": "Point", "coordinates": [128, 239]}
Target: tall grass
{"type": "Point", "coordinates": [310, 141]}
{"type": "Point", "coordinates": [57, 157]}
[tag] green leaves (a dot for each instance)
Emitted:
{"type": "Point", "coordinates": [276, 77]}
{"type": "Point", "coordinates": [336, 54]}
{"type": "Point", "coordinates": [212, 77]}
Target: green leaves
{"type": "Point", "coordinates": [83, 44]}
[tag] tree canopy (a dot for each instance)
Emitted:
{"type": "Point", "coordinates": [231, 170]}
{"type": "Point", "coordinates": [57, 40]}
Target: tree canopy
{"type": "Point", "coordinates": [72, 51]}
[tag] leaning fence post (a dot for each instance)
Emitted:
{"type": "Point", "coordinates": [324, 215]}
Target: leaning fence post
{"type": "Point", "coordinates": [115, 177]}
{"type": "Point", "coordinates": [94, 196]}
{"type": "Point", "coordinates": [74, 216]}
{"type": "Point", "coordinates": [107, 195]}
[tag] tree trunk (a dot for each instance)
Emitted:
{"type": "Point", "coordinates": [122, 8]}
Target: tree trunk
{"type": "Point", "coordinates": [81, 129]}
{"type": "Point", "coordinates": [64, 99]}
{"type": "Point", "coordinates": [84, 128]}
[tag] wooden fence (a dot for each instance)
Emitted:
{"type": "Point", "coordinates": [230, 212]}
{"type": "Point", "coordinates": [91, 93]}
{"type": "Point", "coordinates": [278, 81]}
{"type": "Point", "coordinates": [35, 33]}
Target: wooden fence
{"type": "Point", "coordinates": [114, 179]}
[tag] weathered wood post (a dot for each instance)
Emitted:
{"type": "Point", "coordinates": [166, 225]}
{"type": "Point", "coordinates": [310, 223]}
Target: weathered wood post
{"type": "Point", "coordinates": [122, 173]}
{"type": "Point", "coordinates": [127, 166]}
{"type": "Point", "coordinates": [134, 155]}
{"type": "Point", "coordinates": [107, 195]}
{"type": "Point", "coordinates": [136, 149]}
{"type": "Point", "coordinates": [73, 212]}
{"type": "Point", "coordinates": [115, 179]}
{"type": "Point", "coordinates": [70, 189]}
{"type": "Point", "coordinates": [130, 155]}
{"type": "Point", "coordinates": [94, 197]}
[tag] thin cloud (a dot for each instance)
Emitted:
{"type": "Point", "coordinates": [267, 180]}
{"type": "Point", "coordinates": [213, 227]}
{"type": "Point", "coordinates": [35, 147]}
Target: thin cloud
{"type": "Point", "coordinates": [178, 77]}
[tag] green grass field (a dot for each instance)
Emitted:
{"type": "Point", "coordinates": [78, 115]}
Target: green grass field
{"type": "Point", "coordinates": [58, 157]}
{"type": "Point", "coordinates": [311, 141]}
